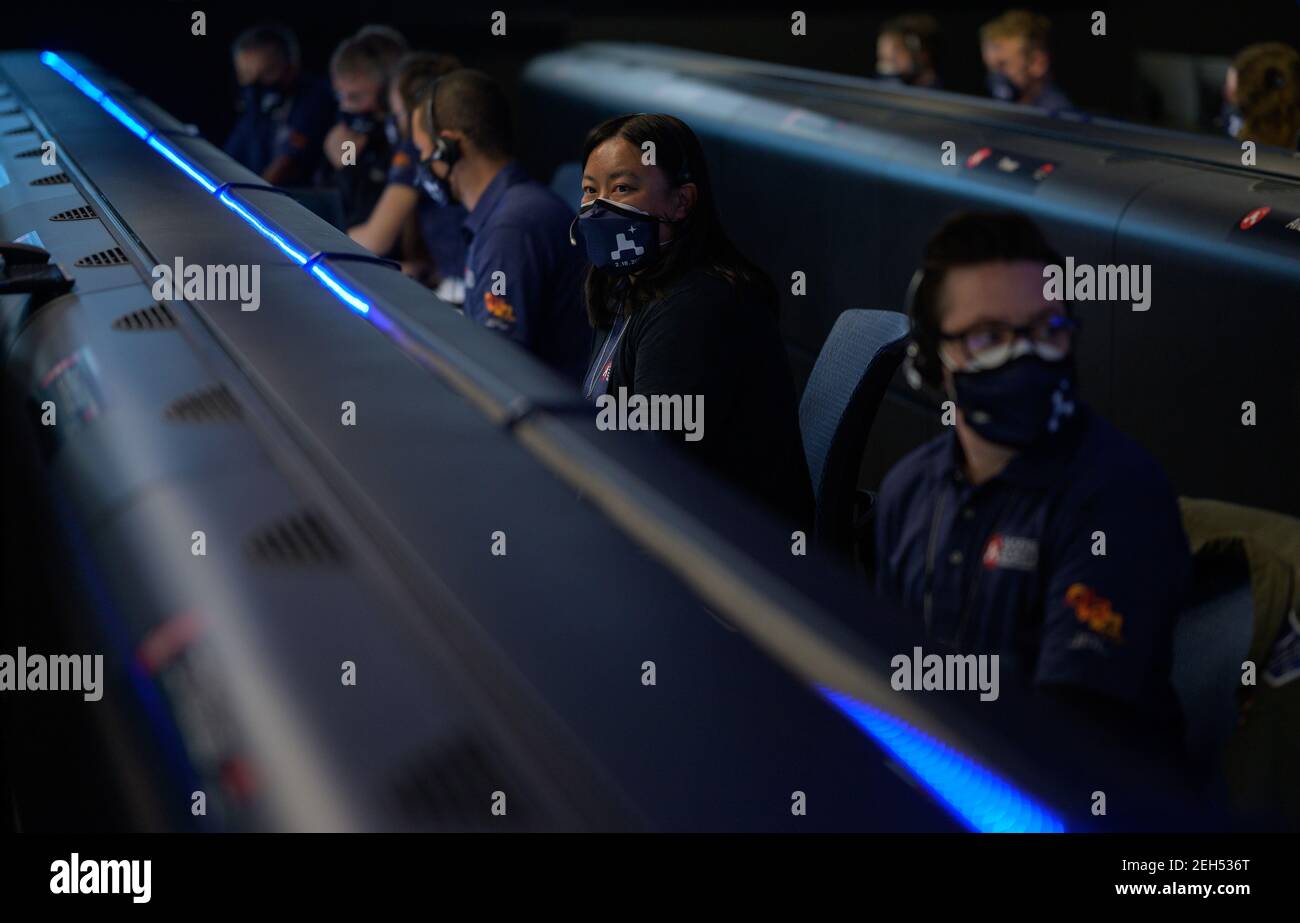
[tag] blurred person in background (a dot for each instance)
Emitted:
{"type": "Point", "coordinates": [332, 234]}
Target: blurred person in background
{"type": "Point", "coordinates": [906, 51]}
{"type": "Point", "coordinates": [1018, 61]}
{"type": "Point", "coordinates": [1261, 95]}
{"type": "Point", "coordinates": [422, 232]}
{"type": "Point", "coordinates": [360, 146]}
{"type": "Point", "coordinates": [284, 114]}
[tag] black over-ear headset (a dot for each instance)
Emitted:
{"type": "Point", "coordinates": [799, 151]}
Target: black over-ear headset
{"type": "Point", "coordinates": [921, 348]}
{"type": "Point", "coordinates": [445, 150]}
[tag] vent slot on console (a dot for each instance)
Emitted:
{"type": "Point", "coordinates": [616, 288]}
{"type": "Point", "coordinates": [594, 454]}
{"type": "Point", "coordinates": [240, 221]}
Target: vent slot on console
{"type": "Point", "coordinates": [154, 317]}
{"type": "Point", "coordinates": [54, 179]}
{"type": "Point", "coordinates": [209, 405]}
{"type": "Point", "coordinates": [80, 213]}
{"type": "Point", "coordinates": [302, 539]}
{"type": "Point", "coordinates": [452, 783]}
{"type": "Point", "coordinates": [112, 257]}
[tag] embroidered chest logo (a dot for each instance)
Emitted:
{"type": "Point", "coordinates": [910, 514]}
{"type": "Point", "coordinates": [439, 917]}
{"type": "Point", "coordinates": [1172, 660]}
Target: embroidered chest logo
{"type": "Point", "coordinates": [1011, 552]}
{"type": "Point", "coordinates": [1095, 611]}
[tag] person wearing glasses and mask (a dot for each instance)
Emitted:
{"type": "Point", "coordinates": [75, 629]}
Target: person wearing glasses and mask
{"type": "Point", "coordinates": [1032, 529]}
{"type": "Point", "coordinates": [679, 311]}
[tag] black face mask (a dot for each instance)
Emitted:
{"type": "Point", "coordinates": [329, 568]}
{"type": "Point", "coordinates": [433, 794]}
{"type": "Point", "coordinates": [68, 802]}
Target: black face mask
{"type": "Point", "coordinates": [362, 123]}
{"type": "Point", "coordinates": [260, 97]}
{"type": "Point", "coordinates": [1002, 87]}
{"type": "Point", "coordinates": [897, 78]}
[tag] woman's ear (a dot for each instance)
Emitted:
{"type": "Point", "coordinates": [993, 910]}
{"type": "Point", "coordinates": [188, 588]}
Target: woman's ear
{"type": "Point", "coordinates": [686, 196]}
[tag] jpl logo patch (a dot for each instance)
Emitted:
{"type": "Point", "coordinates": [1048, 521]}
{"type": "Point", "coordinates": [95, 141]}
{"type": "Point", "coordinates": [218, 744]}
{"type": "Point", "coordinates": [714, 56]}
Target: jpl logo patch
{"type": "Point", "coordinates": [1095, 611]}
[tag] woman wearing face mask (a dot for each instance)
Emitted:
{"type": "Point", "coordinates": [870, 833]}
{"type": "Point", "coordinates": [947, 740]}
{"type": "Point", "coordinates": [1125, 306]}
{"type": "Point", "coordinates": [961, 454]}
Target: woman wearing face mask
{"type": "Point", "coordinates": [677, 310]}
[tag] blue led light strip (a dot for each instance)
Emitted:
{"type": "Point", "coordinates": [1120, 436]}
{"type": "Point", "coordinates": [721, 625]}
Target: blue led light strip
{"type": "Point", "coordinates": [980, 798]}
{"type": "Point", "coordinates": [327, 279]}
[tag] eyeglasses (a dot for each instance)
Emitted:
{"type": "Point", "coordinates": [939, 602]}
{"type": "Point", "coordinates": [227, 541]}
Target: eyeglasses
{"type": "Point", "coordinates": [987, 346]}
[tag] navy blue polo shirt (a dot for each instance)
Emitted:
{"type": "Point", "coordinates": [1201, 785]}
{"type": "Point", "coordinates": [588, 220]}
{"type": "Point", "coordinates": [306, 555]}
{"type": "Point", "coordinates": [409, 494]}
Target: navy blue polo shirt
{"type": "Point", "coordinates": [520, 228]}
{"type": "Point", "coordinates": [1008, 567]}
{"type": "Point", "coordinates": [440, 225]}
{"type": "Point", "coordinates": [297, 127]}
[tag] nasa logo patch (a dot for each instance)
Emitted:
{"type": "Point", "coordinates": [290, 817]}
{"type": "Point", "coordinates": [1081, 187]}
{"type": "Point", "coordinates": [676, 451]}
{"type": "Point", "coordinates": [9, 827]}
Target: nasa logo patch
{"type": "Point", "coordinates": [1010, 552]}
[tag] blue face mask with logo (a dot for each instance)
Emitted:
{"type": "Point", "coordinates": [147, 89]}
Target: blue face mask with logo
{"type": "Point", "coordinates": [1001, 87]}
{"type": "Point", "coordinates": [619, 238]}
{"type": "Point", "coordinates": [362, 123]}
{"type": "Point", "coordinates": [1018, 403]}
{"type": "Point", "coordinates": [434, 186]}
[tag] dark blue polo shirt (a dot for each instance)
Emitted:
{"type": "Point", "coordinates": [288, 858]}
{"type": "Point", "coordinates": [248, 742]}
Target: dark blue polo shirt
{"type": "Point", "coordinates": [296, 127]}
{"type": "Point", "coordinates": [1008, 567]}
{"type": "Point", "coordinates": [521, 228]}
{"type": "Point", "coordinates": [440, 225]}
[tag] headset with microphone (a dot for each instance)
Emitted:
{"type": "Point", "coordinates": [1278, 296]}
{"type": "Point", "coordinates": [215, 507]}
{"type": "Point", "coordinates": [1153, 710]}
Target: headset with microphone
{"type": "Point", "coordinates": [446, 151]}
{"type": "Point", "coordinates": [916, 364]}
{"type": "Point", "coordinates": [919, 362]}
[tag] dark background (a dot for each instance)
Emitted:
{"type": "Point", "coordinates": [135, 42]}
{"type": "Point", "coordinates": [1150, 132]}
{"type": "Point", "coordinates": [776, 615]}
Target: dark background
{"type": "Point", "coordinates": [150, 45]}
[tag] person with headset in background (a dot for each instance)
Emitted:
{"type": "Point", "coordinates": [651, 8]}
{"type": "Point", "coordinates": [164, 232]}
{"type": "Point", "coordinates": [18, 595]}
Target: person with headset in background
{"type": "Point", "coordinates": [284, 114]}
{"type": "Point", "coordinates": [522, 278]}
{"type": "Point", "coordinates": [1018, 61]}
{"type": "Point", "coordinates": [359, 147]}
{"type": "Point", "coordinates": [906, 51]}
{"type": "Point", "coordinates": [1261, 94]}
{"type": "Point", "coordinates": [678, 310]}
{"type": "Point", "coordinates": [432, 247]}
{"type": "Point", "coordinates": [1032, 529]}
